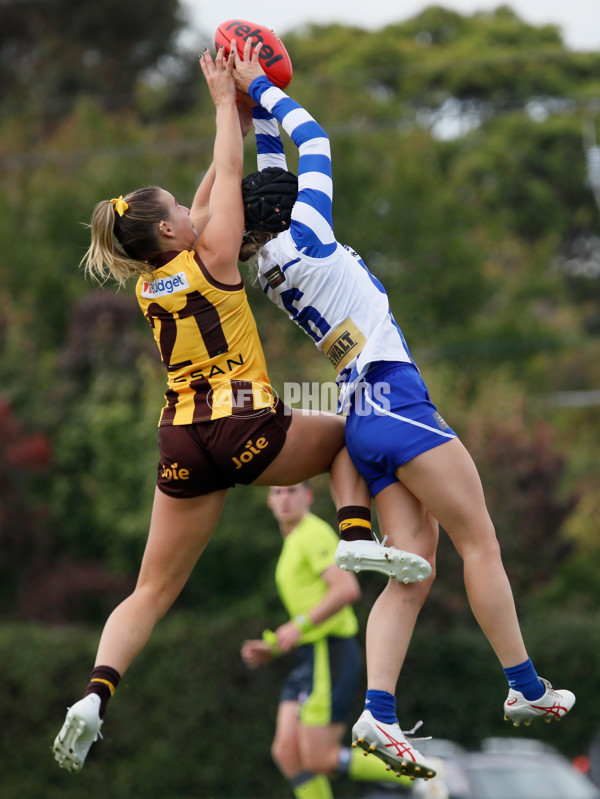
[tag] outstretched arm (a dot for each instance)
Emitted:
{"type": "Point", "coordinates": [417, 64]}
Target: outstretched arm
{"type": "Point", "coordinates": [269, 147]}
{"type": "Point", "coordinates": [219, 212]}
{"type": "Point", "coordinates": [312, 217]}
{"type": "Point", "coordinates": [200, 205]}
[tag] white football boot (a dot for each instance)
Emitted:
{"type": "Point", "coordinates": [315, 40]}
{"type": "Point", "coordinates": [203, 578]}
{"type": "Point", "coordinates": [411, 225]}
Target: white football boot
{"type": "Point", "coordinates": [78, 733]}
{"type": "Point", "coordinates": [357, 556]}
{"type": "Point", "coordinates": [552, 705]}
{"type": "Point", "coordinates": [388, 743]}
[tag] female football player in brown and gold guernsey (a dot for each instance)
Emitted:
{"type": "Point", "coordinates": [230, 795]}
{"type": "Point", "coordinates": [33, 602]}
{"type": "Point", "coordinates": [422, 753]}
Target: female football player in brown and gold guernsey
{"type": "Point", "coordinates": [221, 424]}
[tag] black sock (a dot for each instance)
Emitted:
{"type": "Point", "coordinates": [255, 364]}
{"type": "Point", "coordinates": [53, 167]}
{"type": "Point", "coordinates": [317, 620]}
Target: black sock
{"type": "Point", "coordinates": [354, 523]}
{"type": "Point", "coordinates": [103, 682]}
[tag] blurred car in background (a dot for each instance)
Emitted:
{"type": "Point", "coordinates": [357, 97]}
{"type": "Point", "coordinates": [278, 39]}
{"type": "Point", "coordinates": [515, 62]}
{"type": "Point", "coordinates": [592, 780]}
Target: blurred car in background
{"type": "Point", "coordinates": [504, 768]}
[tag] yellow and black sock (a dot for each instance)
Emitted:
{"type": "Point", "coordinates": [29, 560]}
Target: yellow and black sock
{"type": "Point", "coordinates": [354, 523]}
{"type": "Point", "coordinates": [103, 682]}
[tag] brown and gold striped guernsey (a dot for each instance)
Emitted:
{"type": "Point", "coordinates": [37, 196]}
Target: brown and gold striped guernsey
{"type": "Point", "coordinates": [207, 338]}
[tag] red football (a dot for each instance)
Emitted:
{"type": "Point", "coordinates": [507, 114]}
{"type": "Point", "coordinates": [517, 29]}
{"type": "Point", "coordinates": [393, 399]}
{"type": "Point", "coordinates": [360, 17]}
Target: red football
{"type": "Point", "coordinates": [274, 58]}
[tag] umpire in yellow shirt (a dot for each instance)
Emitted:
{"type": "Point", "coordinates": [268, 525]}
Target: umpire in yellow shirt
{"type": "Point", "coordinates": [318, 693]}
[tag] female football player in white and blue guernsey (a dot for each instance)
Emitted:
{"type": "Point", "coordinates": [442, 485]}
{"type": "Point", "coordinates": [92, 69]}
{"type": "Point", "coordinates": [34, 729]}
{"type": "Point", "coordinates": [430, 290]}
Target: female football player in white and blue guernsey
{"type": "Point", "coordinates": [417, 469]}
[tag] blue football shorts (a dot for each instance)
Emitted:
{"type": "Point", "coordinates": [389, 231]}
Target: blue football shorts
{"type": "Point", "coordinates": [391, 421]}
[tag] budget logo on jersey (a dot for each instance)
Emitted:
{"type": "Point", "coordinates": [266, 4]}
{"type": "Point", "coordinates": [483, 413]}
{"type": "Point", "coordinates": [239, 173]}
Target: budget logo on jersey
{"type": "Point", "coordinates": [164, 286]}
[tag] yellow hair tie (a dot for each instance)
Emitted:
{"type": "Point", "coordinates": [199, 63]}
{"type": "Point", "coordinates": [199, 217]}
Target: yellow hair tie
{"type": "Point", "coordinates": [120, 205]}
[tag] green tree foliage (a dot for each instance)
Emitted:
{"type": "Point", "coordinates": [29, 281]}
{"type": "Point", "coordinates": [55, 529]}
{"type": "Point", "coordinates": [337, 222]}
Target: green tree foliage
{"type": "Point", "coordinates": [523, 473]}
{"type": "Point", "coordinates": [50, 52]}
{"type": "Point", "coordinates": [38, 579]}
{"type": "Point", "coordinates": [435, 280]}
{"type": "Point", "coordinates": [24, 457]}
{"type": "Point", "coordinates": [489, 57]}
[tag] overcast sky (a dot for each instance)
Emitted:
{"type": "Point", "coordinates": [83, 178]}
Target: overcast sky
{"type": "Point", "coordinates": [579, 20]}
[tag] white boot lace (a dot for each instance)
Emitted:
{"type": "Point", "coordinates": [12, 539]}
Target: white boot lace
{"type": "Point", "coordinates": [411, 733]}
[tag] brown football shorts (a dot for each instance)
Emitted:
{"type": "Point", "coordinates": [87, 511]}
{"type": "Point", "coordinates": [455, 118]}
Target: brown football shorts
{"type": "Point", "coordinates": [199, 458]}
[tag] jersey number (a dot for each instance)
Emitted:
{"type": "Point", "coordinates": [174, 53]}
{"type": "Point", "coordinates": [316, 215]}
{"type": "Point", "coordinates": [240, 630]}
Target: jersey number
{"type": "Point", "coordinates": [207, 320]}
{"type": "Point", "coordinates": [308, 318]}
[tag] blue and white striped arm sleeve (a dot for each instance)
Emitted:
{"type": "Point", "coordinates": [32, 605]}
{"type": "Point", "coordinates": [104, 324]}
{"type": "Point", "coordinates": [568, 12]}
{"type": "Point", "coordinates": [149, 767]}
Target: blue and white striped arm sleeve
{"type": "Point", "coordinates": [269, 147]}
{"type": "Point", "coordinates": [312, 219]}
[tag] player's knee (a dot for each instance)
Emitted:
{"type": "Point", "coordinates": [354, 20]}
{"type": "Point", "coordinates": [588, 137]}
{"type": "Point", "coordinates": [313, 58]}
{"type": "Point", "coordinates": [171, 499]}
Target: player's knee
{"type": "Point", "coordinates": [413, 594]}
{"type": "Point", "coordinates": [487, 547]}
{"type": "Point", "coordinates": [479, 541]}
{"type": "Point", "coordinates": [158, 594]}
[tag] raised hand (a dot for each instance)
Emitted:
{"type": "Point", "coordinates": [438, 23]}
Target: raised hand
{"type": "Point", "coordinates": [247, 66]}
{"type": "Point", "coordinates": [219, 75]}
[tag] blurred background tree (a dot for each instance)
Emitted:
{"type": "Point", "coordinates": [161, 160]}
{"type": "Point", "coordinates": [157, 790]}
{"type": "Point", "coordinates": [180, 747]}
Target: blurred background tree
{"type": "Point", "coordinates": [53, 52]}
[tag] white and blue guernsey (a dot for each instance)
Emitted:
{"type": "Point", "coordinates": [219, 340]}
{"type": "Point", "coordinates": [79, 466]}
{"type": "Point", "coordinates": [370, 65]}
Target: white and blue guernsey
{"type": "Point", "coordinates": [327, 290]}
{"type": "Point", "coordinates": [324, 286]}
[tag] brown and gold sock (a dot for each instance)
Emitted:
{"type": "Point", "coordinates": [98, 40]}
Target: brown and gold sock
{"type": "Point", "coordinates": [103, 682]}
{"type": "Point", "coordinates": [354, 523]}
